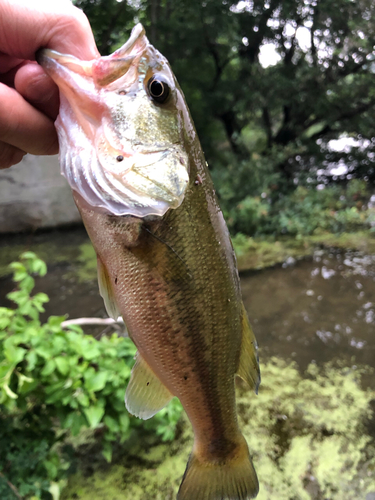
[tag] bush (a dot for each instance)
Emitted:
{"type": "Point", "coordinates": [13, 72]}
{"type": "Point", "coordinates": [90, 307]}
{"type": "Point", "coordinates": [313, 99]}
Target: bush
{"type": "Point", "coordinates": [305, 211]}
{"type": "Point", "coordinates": [55, 382]}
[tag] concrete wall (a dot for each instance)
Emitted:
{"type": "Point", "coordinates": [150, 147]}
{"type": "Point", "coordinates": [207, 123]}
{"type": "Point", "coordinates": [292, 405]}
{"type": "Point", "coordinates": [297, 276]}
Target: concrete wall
{"type": "Point", "coordinates": [34, 195]}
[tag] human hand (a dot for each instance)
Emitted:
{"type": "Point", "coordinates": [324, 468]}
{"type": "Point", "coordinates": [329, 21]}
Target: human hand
{"type": "Point", "coordinates": [29, 100]}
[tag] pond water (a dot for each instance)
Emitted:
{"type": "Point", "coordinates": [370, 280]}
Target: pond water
{"type": "Point", "coordinates": [316, 309]}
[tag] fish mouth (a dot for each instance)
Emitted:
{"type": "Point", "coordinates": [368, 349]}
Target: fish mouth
{"type": "Point", "coordinates": [103, 70]}
{"type": "Point", "coordinates": [107, 170]}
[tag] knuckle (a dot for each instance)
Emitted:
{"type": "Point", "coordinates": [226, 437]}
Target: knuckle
{"type": "Point", "coordinates": [9, 155]}
{"type": "Point", "coordinates": [81, 17]}
{"type": "Point", "coordinates": [75, 19]}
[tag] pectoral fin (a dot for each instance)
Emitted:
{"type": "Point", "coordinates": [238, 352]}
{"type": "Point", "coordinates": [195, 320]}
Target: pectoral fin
{"type": "Point", "coordinates": [106, 291]}
{"type": "Point", "coordinates": [145, 394]}
{"type": "Point", "coordinates": [248, 368]}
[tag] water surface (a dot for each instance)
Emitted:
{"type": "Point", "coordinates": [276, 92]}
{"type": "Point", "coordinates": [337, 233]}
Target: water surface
{"type": "Point", "coordinates": [316, 309]}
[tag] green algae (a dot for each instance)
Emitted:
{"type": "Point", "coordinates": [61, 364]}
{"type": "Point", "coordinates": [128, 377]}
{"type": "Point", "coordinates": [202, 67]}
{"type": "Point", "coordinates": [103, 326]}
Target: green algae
{"type": "Point", "coordinates": [86, 269]}
{"type": "Point", "coordinates": [363, 241]}
{"type": "Point", "coordinates": [58, 247]}
{"type": "Point", "coordinates": [146, 469]}
{"type": "Point", "coordinates": [309, 434]}
{"type": "Point", "coordinates": [309, 437]}
{"type": "Point", "coordinates": [52, 252]}
{"type": "Point", "coordinates": [259, 253]}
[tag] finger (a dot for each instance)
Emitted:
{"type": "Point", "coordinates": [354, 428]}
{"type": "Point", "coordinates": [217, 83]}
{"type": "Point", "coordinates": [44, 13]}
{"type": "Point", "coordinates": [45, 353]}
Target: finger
{"type": "Point", "coordinates": [9, 155]}
{"type": "Point", "coordinates": [8, 62]}
{"type": "Point", "coordinates": [27, 26]}
{"type": "Point", "coordinates": [38, 88]}
{"type": "Point", "coordinates": [23, 126]}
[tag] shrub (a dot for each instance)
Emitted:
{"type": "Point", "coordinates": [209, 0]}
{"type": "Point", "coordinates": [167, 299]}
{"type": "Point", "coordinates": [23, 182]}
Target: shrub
{"type": "Point", "coordinates": [55, 382]}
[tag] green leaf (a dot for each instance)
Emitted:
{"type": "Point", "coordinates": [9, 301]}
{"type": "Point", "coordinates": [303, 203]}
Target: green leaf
{"type": "Point", "coordinates": [107, 451]}
{"type": "Point", "coordinates": [51, 469]}
{"type": "Point", "coordinates": [20, 275]}
{"type": "Point", "coordinates": [82, 398]}
{"type": "Point", "coordinates": [62, 365]}
{"type": "Point", "coordinates": [27, 284]}
{"type": "Point", "coordinates": [48, 368]}
{"type": "Point", "coordinates": [90, 351]}
{"type": "Point", "coordinates": [27, 309]}
{"type": "Point", "coordinates": [57, 396]}
{"type": "Point", "coordinates": [40, 298]}
{"type": "Point", "coordinates": [17, 266]}
{"type": "Point", "coordinates": [31, 358]}
{"type": "Point", "coordinates": [74, 328]}
{"type": "Point", "coordinates": [111, 423]}
{"type": "Point", "coordinates": [74, 422]}
{"type": "Point", "coordinates": [95, 381]}
{"type": "Point", "coordinates": [4, 323]}
{"type": "Point", "coordinates": [5, 368]}
{"type": "Point", "coordinates": [29, 386]}
{"type": "Point", "coordinates": [54, 322]}
{"type": "Point", "coordinates": [94, 415]}
{"type": "Point", "coordinates": [28, 255]}
{"type": "Point", "coordinates": [14, 354]}
{"type": "Point", "coordinates": [22, 379]}
{"type": "Point", "coordinates": [20, 297]}
{"type": "Point", "coordinates": [39, 267]}
{"type": "Point", "coordinates": [43, 351]}
{"type": "Point", "coordinates": [124, 421]}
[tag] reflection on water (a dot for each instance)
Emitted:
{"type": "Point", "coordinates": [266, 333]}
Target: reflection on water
{"type": "Point", "coordinates": [317, 309]}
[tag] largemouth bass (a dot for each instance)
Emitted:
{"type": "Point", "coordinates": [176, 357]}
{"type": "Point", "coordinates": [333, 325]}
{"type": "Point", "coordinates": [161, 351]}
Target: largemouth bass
{"type": "Point", "coordinates": [130, 152]}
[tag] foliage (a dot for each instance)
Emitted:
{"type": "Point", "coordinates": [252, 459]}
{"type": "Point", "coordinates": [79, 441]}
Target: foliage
{"type": "Point", "coordinates": [306, 211]}
{"type": "Point", "coordinates": [309, 436]}
{"type": "Point", "coordinates": [55, 382]}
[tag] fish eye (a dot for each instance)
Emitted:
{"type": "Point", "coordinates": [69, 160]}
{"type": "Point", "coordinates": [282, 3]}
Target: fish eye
{"type": "Point", "coordinates": [158, 89]}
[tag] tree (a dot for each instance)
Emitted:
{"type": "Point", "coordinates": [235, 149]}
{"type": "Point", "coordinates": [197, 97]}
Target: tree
{"type": "Point", "coordinates": [264, 129]}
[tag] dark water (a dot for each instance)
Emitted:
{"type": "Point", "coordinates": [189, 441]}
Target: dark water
{"type": "Point", "coordinates": [318, 309]}
{"type": "Point", "coordinates": [68, 293]}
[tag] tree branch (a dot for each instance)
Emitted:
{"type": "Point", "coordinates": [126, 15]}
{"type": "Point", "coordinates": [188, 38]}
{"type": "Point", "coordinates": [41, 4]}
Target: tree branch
{"type": "Point", "coordinates": [92, 321]}
{"type": "Point", "coordinates": [267, 123]}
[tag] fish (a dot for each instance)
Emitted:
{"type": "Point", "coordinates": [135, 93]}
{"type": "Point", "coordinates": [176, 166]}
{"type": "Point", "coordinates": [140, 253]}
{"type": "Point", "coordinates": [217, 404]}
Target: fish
{"type": "Point", "coordinates": [166, 264]}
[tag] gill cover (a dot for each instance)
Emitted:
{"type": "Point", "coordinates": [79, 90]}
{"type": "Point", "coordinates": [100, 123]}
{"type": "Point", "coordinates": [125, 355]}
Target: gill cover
{"type": "Point", "coordinates": [120, 149]}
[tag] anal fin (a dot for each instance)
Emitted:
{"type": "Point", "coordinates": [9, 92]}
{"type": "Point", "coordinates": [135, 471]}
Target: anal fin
{"type": "Point", "coordinates": [248, 368]}
{"type": "Point", "coordinates": [106, 291]}
{"type": "Point", "coordinates": [145, 394]}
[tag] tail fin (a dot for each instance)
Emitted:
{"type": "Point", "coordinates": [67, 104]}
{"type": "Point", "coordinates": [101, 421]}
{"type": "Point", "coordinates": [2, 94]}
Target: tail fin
{"type": "Point", "coordinates": [233, 479]}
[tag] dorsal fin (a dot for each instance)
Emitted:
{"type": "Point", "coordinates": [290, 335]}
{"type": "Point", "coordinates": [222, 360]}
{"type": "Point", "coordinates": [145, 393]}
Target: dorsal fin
{"type": "Point", "coordinates": [248, 368]}
{"type": "Point", "coordinates": [145, 394]}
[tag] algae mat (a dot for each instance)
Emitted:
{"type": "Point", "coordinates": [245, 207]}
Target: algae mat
{"type": "Point", "coordinates": [310, 437]}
